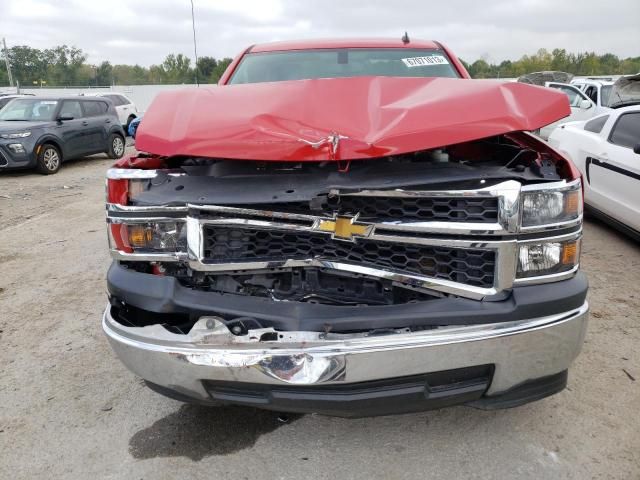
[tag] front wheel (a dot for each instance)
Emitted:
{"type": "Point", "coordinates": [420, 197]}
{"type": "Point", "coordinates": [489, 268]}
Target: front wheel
{"type": "Point", "coordinates": [116, 146]}
{"type": "Point", "coordinates": [49, 160]}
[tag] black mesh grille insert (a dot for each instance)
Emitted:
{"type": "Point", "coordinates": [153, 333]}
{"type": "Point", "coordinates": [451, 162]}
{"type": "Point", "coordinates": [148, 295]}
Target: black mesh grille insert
{"type": "Point", "coordinates": [230, 244]}
{"type": "Point", "coordinates": [483, 210]}
{"type": "Point", "coordinates": [406, 209]}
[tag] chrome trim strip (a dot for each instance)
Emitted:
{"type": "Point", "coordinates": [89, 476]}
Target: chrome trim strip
{"type": "Point", "coordinates": [555, 238]}
{"type": "Point", "coordinates": [139, 174]}
{"type": "Point", "coordinates": [130, 173]}
{"type": "Point", "coordinates": [413, 280]}
{"type": "Point", "coordinates": [116, 208]}
{"type": "Point", "coordinates": [560, 185]}
{"type": "Point", "coordinates": [249, 212]}
{"type": "Point", "coordinates": [546, 278]}
{"type": "Point", "coordinates": [148, 257]}
{"type": "Point", "coordinates": [552, 226]}
{"type": "Point", "coordinates": [134, 220]}
{"type": "Point", "coordinates": [201, 338]}
{"type": "Point", "coordinates": [487, 192]}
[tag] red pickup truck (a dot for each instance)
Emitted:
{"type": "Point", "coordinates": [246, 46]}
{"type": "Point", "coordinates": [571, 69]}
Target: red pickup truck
{"type": "Point", "coordinates": [348, 227]}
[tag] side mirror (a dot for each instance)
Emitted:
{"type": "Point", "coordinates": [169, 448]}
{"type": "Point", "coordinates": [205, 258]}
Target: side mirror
{"type": "Point", "coordinates": [585, 104]}
{"type": "Point", "coordinates": [64, 118]}
{"type": "Point", "coordinates": [636, 149]}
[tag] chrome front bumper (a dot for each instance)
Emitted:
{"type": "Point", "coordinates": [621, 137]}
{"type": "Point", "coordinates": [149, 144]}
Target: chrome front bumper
{"type": "Point", "coordinates": [520, 351]}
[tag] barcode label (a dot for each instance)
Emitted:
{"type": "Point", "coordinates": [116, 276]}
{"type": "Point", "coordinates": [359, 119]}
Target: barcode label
{"type": "Point", "coordinates": [425, 61]}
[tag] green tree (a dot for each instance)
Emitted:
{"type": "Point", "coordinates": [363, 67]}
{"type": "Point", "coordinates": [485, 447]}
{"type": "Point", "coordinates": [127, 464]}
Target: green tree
{"type": "Point", "coordinates": [177, 69]}
{"type": "Point", "coordinates": [64, 65]}
{"type": "Point", "coordinates": [27, 65]}
{"type": "Point", "coordinates": [206, 66]}
{"type": "Point", "coordinates": [104, 74]}
{"type": "Point", "coordinates": [480, 69]}
{"type": "Point", "coordinates": [219, 70]}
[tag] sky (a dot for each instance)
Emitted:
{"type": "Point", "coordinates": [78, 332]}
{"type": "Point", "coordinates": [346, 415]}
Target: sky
{"type": "Point", "coordinates": [145, 31]}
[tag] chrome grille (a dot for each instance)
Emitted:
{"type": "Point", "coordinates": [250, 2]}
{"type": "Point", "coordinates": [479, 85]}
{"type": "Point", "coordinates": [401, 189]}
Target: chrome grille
{"type": "Point", "coordinates": [471, 266]}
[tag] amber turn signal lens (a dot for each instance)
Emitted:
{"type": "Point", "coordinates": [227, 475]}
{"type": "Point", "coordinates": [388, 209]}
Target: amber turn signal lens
{"type": "Point", "coordinates": [569, 253]}
{"type": "Point", "coordinates": [140, 236]}
{"type": "Point", "coordinates": [573, 202]}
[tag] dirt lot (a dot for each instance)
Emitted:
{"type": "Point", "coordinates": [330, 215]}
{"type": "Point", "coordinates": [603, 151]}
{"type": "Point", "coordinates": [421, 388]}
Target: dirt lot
{"type": "Point", "coordinates": [69, 409]}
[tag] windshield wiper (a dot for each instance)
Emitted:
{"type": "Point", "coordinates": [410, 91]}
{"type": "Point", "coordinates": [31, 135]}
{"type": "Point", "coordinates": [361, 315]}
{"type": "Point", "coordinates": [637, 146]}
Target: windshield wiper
{"type": "Point", "coordinates": [14, 120]}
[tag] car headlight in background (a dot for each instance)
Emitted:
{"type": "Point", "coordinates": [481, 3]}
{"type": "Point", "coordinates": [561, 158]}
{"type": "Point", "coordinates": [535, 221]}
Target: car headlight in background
{"type": "Point", "coordinates": [547, 258]}
{"type": "Point", "coordinates": [551, 206]}
{"type": "Point", "coordinates": [149, 237]}
{"type": "Point", "coordinates": [9, 136]}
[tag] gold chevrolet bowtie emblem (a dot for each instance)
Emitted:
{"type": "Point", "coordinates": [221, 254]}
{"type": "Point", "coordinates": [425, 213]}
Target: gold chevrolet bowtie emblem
{"type": "Point", "coordinates": [344, 228]}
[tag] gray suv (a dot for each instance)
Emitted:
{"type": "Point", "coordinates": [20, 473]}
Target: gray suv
{"type": "Point", "coordinates": [43, 132]}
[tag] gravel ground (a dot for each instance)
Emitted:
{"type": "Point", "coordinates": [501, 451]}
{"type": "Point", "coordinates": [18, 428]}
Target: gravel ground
{"type": "Point", "coordinates": [69, 409]}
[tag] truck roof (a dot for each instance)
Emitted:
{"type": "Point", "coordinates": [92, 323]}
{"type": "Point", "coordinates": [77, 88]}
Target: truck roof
{"type": "Point", "coordinates": [343, 43]}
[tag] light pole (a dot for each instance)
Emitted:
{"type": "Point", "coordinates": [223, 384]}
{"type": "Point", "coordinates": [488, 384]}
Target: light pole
{"type": "Point", "coordinates": [195, 50]}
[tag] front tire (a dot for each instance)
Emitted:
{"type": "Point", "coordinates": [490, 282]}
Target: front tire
{"type": "Point", "coordinates": [49, 160]}
{"type": "Point", "coordinates": [116, 146]}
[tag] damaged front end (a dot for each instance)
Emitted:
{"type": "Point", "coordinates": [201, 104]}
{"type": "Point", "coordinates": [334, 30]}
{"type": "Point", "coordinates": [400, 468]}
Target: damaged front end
{"type": "Point", "coordinates": [437, 276]}
{"type": "Point", "coordinates": [290, 274]}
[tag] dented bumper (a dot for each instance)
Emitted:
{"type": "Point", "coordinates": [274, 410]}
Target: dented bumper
{"type": "Point", "coordinates": [356, 374]}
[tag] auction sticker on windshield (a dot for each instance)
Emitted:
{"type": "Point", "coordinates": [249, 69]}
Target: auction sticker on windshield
{"type": "Point", "coordinates": [425, 61]}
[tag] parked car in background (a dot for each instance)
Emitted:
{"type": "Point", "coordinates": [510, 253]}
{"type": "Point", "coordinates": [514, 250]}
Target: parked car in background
{"type": "Point", "coordinates": [4, 99]}
{"type": "Point", "coordinates": [606, 149]}
{"type": "Point", "coordinates": [126, 109]}
{"type": "Point", "coordinates": [581, 106]}
{"type": "Point", "coordinates": [597, 90]}
{"type": "Point", "coordinates": [44, 132]}
{"type": "Point", "coordinates": [345, 227]}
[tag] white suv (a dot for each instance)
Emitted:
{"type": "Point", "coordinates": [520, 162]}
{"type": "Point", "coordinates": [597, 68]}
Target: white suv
{"type": "Point", "coordinates": [125, 108]}
{"type": "Point", "coordinates": [597, 90]}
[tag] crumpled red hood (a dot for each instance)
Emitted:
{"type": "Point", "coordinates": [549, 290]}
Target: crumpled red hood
{"type": "Point", "coordinates": [374, 116]}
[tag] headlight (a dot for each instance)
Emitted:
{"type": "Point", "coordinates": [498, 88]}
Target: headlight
{"type": "Point", "coordinates": [550, 207]}
{"type": "Point", "coordinates": [10, 136]}
{"type": "Point", "coordinates": [535, 259]}
{"type": "Point", "coordinates": [149, 237]}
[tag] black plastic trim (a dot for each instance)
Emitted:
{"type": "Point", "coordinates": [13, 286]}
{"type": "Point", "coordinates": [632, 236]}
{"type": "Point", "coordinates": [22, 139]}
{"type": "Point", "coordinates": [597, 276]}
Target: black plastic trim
{"type": "Point", "coordinates": [365, 399]}
{"type": "Point", "coordinates": [164, 294]}
{"type": "Point", "coordinates": [464, 386]}
{"type": "Point", "coordinates": [527, 392]}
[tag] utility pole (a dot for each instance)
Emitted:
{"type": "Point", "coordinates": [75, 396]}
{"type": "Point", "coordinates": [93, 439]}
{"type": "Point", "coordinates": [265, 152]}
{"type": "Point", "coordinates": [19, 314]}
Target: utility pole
{"type": "Point", "coordinates": [195, 50]}
{"type": "Point", "coordinates": [6, 59]}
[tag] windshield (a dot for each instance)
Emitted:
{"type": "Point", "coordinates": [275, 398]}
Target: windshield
{"type": "Point", "coordinates": [342, 62]}
{"type": "Point", "coordinates": [29, 110]}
